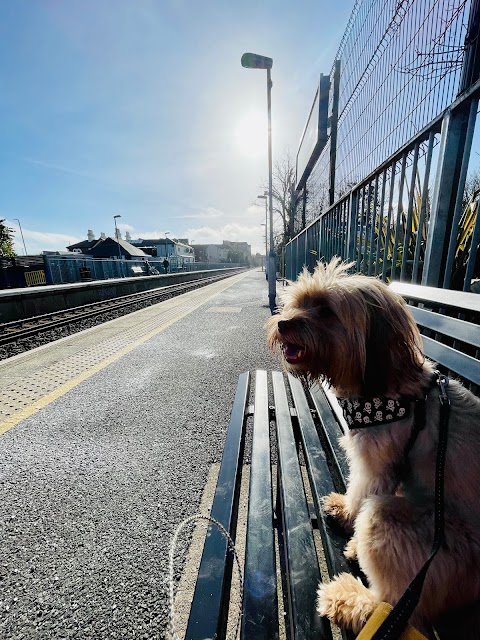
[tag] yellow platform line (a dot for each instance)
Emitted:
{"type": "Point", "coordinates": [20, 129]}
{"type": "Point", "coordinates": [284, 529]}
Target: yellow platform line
{"type": "Point", "coordinates": [65, 387]}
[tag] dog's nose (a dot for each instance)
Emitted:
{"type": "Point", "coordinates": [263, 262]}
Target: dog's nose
{"type": "Point", "coordinates": [283, 326]}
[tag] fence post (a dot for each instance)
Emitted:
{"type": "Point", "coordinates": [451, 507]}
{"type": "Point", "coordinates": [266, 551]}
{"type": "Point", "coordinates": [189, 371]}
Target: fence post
{"type": "Point", "coordinates": [457, 132]}
{"type": "Point", "coordinates": [448, 182]}
{"type": "Point", "coordinates": [333, 131]}
{"type": "Point", "coordinates": [48, 270]}
{"type": "Point", "coordinates": [471, 57]}
{"type": "Point", "coordinates": [352, 226]}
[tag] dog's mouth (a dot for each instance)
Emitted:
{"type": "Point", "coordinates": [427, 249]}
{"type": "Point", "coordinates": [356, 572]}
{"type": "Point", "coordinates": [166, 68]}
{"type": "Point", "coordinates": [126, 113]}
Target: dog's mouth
{"type": "Point", "coordinates": [293, 353]}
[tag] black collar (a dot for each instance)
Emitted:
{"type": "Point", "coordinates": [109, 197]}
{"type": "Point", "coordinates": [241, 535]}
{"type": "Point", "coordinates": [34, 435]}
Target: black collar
{"type": "Point", "coordinates": [372, 412]}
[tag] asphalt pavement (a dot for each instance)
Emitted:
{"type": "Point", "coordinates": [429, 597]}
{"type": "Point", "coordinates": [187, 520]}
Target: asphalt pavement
{"type": "Point", "coordinates": [93, 485]}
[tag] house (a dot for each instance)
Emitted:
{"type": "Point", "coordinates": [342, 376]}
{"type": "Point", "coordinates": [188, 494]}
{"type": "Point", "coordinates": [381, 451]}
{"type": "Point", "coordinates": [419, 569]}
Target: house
{"type": "Point", "coordinates": [166, 247]}
{"type": "Point", "coordinates": [239, 247]}
{"type": "Point", "coordinates": [82, 247]}
{"type": "Point", "coordinates": [112, 248]}
{"type": "Point", "coordinates": [237, 252]}
{"type": "Point", "coordinates": [213, 253]}
{"type": "Point", "coordinates": [107, 247]}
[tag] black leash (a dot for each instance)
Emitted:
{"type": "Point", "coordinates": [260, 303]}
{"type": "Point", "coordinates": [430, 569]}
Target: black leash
{"type": "Point", "coordinates": [393, 625]}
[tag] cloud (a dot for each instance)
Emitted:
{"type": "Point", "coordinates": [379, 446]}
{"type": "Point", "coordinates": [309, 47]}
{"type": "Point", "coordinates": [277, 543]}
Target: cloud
{"type": "Point", "coordinates": [123, 226]}
{"type": "Point", "coordinates": [145, 234]}
{"type": "Point", "coordinates": [203, 214]}
{"type": "Point", "coordinates": [255, 209]}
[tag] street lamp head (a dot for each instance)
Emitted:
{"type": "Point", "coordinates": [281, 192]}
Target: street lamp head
{"type": "Point", "coordinates": [254, 61]}
{"type": "Point", "coordinates": [262, 197]}
{"type": "Point", "coordinates": [117, 216]}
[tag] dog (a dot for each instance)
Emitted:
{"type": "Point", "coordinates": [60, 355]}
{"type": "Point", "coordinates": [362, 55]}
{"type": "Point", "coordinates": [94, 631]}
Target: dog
{"type": "Point", "coordinates": [357, 335]}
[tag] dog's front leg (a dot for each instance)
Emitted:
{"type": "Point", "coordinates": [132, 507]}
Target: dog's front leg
{"type": "Point", "coordinates": [335, 504]}
{"type": "Point", "coordinates": [346, 602]}
{"type": "Point", "coordinates": [369, 474]}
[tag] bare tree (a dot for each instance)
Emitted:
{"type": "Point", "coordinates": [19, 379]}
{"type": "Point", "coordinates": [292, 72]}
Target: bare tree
{"type": "Point", "coordinates": [472, 185]}
{"type": "Point", "coordinates": [293, 210]}
{"type": "Point", "coordinates": [285, 200]}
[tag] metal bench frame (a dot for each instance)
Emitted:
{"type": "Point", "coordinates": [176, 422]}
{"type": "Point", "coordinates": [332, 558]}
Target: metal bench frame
{"type": "Point", "coordinates": [307, 430]}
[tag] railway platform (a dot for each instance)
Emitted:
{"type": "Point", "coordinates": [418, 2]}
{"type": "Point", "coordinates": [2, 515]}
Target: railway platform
{"type": "Point", "coordinates": [18, 304]}
{"type": "Point", "coordinates": [108, 440]}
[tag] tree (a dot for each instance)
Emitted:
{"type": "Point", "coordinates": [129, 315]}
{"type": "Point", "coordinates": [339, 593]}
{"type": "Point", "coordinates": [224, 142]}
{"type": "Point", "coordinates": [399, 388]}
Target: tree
{"type": "Point", "coordinates": [283, 197]}
{"type": "Point", "coordinates": [6, 240]}
{"type": "Point", "coordinates": [472, 185]}
{"type": "Point", "coordinates": [282, 190]}
{"type": "Point", "coordinates": [293, 210]}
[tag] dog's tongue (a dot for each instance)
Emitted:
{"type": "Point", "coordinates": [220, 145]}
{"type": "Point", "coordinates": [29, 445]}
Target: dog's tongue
{"type": "Point", "coordinates": [293, 353]}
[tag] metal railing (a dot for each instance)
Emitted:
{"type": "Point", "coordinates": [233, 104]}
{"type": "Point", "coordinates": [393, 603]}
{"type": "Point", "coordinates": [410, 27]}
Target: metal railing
{"type": "Point", "coordinates": [75, 268]}
{"type": "Point", "coordinates": [400, 64]}
{"type": "Point", "coordinates": [406, 218]}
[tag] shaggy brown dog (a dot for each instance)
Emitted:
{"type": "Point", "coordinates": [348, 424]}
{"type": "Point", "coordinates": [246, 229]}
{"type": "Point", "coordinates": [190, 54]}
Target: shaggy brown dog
{"type": "Point", "coordinates": [357, 335]}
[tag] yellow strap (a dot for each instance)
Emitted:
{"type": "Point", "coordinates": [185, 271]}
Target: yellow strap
{"type": "Point", "coordinates": [376, 619]}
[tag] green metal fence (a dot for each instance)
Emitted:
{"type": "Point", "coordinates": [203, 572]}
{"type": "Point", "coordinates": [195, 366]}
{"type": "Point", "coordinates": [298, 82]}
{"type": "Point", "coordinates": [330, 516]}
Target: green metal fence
{"type": "Point", "coordinates": [407, 218]}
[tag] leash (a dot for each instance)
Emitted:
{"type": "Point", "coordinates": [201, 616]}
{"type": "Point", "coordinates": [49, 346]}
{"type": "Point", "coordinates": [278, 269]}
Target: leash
{"type": "Point", "coordinates": [171, 578]}
{"type": "Point", "coordinates": [392, 627]}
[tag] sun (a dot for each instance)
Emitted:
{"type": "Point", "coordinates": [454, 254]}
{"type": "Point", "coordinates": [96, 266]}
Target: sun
{"type": "Point", "coordinates": [250, 134]}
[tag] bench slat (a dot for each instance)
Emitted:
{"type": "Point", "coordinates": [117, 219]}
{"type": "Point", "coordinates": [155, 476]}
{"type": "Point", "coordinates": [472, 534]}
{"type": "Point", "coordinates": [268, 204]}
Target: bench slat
{"type": "Point", "coordinates": [302, 573]}
{"type": "Point", "coordinates": [452, 327]}
{"type": "Point", "coordinates": [333, 537]}
{"type": "Point", "coordinates": [332, 431]}
{"type": "Point", "coordinates": [213, 582]}
{"type": "Point", "coordinates": [447, 297]}
{"type": "Point", "coordinates": [260, 613]}
{"type": "Point", "coordinates": [461, 363]}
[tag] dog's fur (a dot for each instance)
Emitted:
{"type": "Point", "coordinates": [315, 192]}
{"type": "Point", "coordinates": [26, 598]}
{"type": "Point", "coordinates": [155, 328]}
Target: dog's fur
{"type": "Point", "coordinates": [356, 334]}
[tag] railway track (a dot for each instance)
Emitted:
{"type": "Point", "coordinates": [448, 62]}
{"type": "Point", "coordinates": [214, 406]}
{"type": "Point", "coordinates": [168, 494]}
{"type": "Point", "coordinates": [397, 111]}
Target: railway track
{"type": "Point", "coordinates": [26, 334]}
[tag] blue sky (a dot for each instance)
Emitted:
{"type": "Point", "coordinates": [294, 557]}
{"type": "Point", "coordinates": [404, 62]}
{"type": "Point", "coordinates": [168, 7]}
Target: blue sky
{"type": "Point", "coordinates": [141, 108]}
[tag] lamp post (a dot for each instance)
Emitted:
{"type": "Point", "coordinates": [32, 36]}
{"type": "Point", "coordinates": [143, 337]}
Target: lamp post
{"type": "Point", "coordinates": [264, 197]}
{"type": "Point", "coordinates": [264, 224]}
{"type": "Point", "coordinates": [21, 233]}
{"type": "Point", "coordinates": [116, 235]}
{"type": "Point", "coordinates": [166, 233]}
{"type": "Point", "coordinates": [254, 61]}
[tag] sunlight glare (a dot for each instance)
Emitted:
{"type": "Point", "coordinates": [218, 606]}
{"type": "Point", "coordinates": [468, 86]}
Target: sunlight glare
{"type": "Point", "coordinates": [251, 134]}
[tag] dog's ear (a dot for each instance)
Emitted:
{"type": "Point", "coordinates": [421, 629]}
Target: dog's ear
{"type": "Point", "coordinates": [377, 354]}
{"type": "Point", "coordinates": [392, 349]}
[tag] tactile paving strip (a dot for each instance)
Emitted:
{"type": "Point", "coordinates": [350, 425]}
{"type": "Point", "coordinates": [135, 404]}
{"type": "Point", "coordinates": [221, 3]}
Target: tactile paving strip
{"type": "Point", "coordinates": [16, 396]}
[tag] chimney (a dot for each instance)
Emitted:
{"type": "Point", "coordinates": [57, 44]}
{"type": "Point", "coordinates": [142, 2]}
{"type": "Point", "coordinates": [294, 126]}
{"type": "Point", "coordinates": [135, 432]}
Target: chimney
{"type": "Point", "coordinates": [102, 235]}
{"type": "Point", "coordinates": [118, 234]}
{"type": "Point", "coordinates": [90, 235]}
{"type": "Point", "coordinates": [128, 237]}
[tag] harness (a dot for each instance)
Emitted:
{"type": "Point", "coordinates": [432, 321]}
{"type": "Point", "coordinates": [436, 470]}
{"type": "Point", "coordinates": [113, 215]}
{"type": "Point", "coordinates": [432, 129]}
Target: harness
{"type": "Point", "coordinates": [393, 625]}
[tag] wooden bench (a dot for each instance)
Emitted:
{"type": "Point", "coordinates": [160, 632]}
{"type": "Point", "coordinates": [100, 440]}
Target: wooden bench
{"type": "Point", "coordinates": [282, 533]}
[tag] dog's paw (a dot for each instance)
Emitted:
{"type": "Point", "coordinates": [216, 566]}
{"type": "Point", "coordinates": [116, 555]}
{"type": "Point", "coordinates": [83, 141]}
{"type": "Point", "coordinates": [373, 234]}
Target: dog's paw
{"type": "Point", "coordinates": [346, 602]}
{"type": "Point", "coordinates": [335, 505]}
{"type": "Point", "coordinates": [350, 551]}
